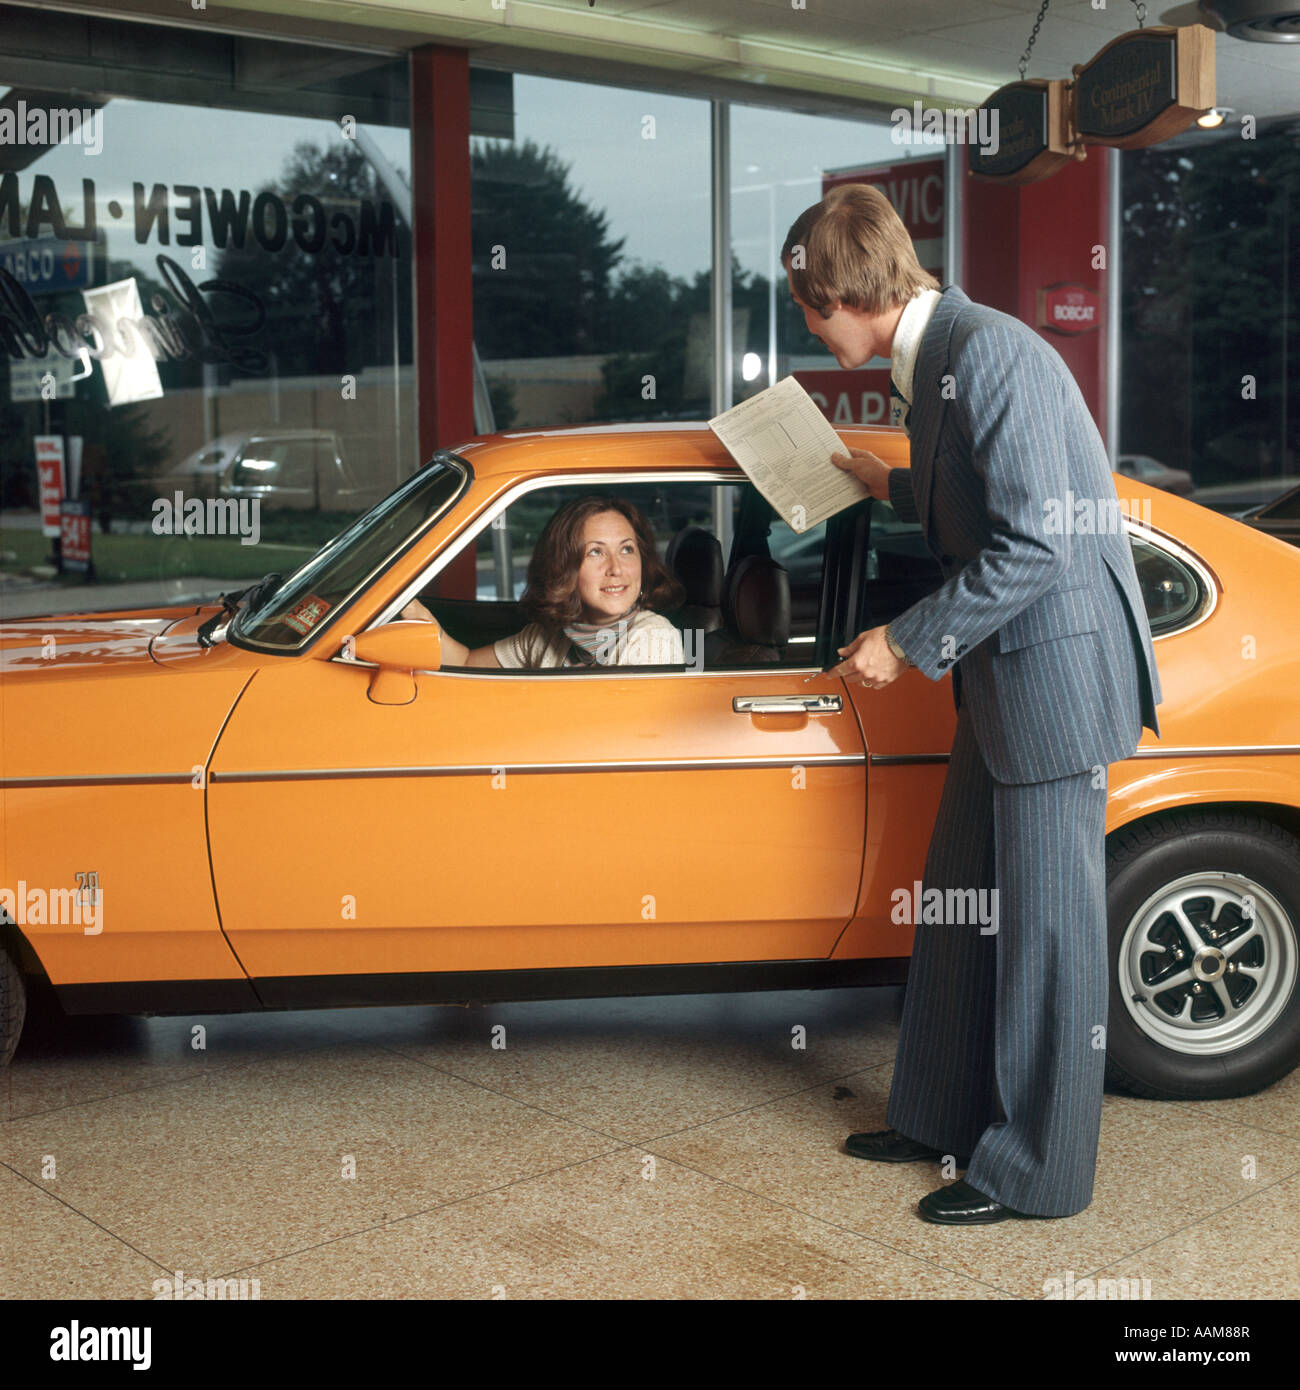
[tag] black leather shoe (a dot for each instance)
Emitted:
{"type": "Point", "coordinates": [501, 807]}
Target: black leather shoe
{"type": "Point", "coordinates": [888, 1146]}
{"type": "Point", "coordinates": [959, 1204]}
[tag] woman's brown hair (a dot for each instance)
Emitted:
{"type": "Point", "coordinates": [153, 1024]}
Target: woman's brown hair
{"type": "Point", "coordinates": [551, 596]}
{"type": "Point", "coordinates": [856, 249]}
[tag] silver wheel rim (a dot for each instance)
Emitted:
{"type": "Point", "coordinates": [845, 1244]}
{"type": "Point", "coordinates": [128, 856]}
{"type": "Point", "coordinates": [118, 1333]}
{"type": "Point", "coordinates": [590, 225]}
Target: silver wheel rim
{"type": "Point", "coordinates": [1236, 972]}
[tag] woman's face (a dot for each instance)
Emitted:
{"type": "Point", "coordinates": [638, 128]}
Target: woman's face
{"type": "Point", "coordinates": [609, 578]}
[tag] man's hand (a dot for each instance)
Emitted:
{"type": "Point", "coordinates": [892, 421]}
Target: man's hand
{"type": "Point", "coordinates": [868, 660]}
{"type": "Point", "coordinates": [868, 469]}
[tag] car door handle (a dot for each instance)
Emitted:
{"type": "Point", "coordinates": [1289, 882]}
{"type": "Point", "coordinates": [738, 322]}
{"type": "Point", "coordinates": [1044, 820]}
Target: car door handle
{"type": "Point", "coordinates": [787, 704]}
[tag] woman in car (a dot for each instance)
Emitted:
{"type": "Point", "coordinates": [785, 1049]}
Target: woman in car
{"type": "Point", "coordinates": [595, 583]}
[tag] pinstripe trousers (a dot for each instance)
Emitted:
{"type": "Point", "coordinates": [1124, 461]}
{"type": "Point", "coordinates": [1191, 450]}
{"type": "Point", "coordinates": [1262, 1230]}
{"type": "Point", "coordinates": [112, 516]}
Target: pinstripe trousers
{"type": "Point", "coordinates": [1001, 1052]}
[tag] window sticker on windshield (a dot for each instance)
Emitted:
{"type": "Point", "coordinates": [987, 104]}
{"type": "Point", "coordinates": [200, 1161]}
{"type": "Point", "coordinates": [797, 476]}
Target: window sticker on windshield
{"type": "Point", "coordinates": [306, 613]}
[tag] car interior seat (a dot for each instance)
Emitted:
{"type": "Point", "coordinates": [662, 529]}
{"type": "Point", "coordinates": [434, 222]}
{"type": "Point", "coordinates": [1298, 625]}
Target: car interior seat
{"type": "Point", "coordinates": [755, 615]}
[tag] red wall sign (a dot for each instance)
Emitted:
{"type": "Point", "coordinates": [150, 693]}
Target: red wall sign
{"type": "Point", "coordinates": [859, 397]}
{"type": "Point", "coordinates": [1066, 308]}
{"type": "Point", "coordinates": [915, 189]}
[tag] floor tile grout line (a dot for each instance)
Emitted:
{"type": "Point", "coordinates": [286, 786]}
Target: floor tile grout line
{"type": "Point", "coordinates": [1236, 1124]}
{"type": "Point", "coordinates": [1191, 1225]}
{"type": "Point", "coordinates": [426, 1211]}
{"type": "Point", "coordinates": [63, 1201]}
{"type": "Point", "coordinates": [666, 1134]}
{"type": "Point", "coordinates": [833, 1225]}
{"type": "Point", "coordinates": [158, 1085]}
{"type": "Point", "coordinates": [243, 1270]}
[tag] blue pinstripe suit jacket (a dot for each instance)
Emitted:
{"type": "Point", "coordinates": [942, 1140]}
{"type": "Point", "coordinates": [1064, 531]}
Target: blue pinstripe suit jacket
{"type": "Point", "coordinates": [1040, 613]}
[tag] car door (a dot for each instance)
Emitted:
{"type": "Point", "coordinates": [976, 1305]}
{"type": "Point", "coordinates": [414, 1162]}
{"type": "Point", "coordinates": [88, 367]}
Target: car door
{"type": "Point", "coordinates": [503, 820]}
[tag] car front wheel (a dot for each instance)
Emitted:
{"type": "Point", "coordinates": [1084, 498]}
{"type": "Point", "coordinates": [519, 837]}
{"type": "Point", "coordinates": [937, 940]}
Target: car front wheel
{"type": "Point", "coordinates": [1204, 922]}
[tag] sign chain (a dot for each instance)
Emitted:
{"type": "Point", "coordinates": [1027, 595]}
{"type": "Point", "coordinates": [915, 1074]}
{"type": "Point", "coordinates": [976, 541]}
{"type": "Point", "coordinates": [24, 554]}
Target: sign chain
{"type": "Point", "coordinates": [1024, 57]}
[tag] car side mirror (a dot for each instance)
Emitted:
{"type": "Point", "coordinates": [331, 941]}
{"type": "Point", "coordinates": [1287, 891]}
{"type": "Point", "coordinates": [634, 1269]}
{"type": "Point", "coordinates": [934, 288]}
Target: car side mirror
{"type": "Point", "coordinates": [399, 650]}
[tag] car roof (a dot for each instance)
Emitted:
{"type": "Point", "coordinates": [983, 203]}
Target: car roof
{"type": "Point", "coordinates": [676, 446]}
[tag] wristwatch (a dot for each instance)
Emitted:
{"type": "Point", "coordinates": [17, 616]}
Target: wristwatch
{"type": "Point", "coordinates": [893, 645]}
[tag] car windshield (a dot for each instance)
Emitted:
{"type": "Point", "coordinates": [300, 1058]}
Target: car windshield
{"type": "Point", "coordinates": [310, 598]}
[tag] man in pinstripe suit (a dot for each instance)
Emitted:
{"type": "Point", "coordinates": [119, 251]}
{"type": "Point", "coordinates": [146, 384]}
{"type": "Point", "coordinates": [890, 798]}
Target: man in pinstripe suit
{"type": "Point", "coordinates": [1001, 1056]}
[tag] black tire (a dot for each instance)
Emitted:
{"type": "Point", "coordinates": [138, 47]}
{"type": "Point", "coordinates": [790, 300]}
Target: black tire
{"type": "Point", "coordinates": [1239, 1032]}
{"type": "Point", "coordinates": [13, 1006]}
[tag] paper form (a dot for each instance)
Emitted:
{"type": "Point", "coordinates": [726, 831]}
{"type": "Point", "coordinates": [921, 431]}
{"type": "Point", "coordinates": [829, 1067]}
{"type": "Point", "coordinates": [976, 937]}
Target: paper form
{"type": "Point", "coordinates": [784, 444]}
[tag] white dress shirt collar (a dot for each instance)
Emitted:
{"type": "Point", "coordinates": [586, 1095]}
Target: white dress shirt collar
{"type": "Point", "coordinates": [907, 339]}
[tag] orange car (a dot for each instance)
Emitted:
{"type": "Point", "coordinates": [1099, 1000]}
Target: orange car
{"type": "Point", "coordinates": [294, 805]}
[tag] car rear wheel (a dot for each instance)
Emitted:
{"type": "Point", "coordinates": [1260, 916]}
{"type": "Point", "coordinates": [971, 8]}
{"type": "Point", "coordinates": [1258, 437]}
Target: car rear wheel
{"type": "Point", "coordinates": [1204, 921]}
{"type": "Point", "coordinates": [13, 1006]}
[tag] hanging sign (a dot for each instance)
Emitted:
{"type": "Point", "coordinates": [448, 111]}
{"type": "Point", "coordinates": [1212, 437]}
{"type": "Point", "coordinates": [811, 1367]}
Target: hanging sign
{"type": "Point", "coordinates": [1145, 86]}
{"type": "Point", "coordinates": [1033, 133]}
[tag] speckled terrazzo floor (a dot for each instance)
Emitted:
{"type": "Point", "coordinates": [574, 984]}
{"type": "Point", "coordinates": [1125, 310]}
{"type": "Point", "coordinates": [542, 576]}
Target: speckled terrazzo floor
{"type": "Point", "coordinates": [612, 1149]}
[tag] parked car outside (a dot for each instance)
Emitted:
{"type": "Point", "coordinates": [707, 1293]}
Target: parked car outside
{"type": "Point", "coordinates": [1154, 473]}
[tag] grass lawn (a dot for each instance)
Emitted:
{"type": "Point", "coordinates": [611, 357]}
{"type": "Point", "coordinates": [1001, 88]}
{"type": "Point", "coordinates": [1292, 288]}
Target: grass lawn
{"type": "Point", "coordinates": [125, 559]}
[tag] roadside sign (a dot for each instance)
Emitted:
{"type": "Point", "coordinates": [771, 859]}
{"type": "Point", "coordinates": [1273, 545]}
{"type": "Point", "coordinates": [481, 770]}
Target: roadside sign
{"type": "Point", "coordinates": [74, 526]}
{"type": "Point", "coordinates": [27, 376]}
{"type": "Point", "coordinates": [49, 470]}
{"type": "Point", "coordinates": [47, 265]}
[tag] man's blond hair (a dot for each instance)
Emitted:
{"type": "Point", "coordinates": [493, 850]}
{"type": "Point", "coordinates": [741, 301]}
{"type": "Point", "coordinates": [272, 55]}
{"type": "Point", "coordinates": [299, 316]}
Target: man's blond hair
{"type": "Point", "coordinates": [856, 249]}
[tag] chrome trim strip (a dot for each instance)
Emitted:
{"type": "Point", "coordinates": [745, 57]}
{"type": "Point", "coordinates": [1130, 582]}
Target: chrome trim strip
{"type": "Point", "coordinates": [898, 759]}
{"type": "Point", "coordinates": [1273, 750]}
{"type": "Point", "coordinates": [660, 765]}
{"type": "Point", "coordinates": [143, 779]}
{"type": "Point", "coordinates": [592, 673]}
{"type": "Point", "coordinates": [1223, 751]}
{"type": "Point", "coordinates": [489, 769]}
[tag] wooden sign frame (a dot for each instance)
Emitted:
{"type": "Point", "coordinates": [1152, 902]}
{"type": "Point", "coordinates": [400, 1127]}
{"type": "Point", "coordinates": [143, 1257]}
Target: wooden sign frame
{"type": "Point", "coordinates": [1059, 148]}
{"type": "Point", "coordinates": [1192, 96]}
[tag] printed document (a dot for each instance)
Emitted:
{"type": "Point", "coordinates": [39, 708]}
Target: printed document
{"type": "Point", "coordinates": [784, 443]}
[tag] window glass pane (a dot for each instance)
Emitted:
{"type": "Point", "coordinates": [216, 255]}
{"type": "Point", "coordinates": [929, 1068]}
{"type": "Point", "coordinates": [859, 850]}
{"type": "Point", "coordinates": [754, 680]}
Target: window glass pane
{"type": "Point", "coordinates": [1210, 265]}
{"type": "Point", "coordinates": [781, 163]}
{"type": "Point", "coordinates": [250, 267]}
{"type": "Point", "coordinates": [592, 252]}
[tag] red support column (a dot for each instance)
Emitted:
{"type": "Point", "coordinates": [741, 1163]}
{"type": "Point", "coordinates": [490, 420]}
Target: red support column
{"type": "Point", "coordinates": [444, 287]}
{"type": "Point", "coordinates": [1022, 238]}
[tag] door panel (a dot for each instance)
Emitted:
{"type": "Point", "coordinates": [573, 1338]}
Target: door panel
{"type": "Point", "coordinates": [505, 820]}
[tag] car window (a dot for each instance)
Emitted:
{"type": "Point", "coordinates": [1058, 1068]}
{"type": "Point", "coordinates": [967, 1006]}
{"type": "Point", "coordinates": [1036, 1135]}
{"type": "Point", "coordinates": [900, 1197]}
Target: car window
{"type": "Point", "coordinates": [1171, 592]}
{"type": "Point", "coordinates": [503, 549]}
